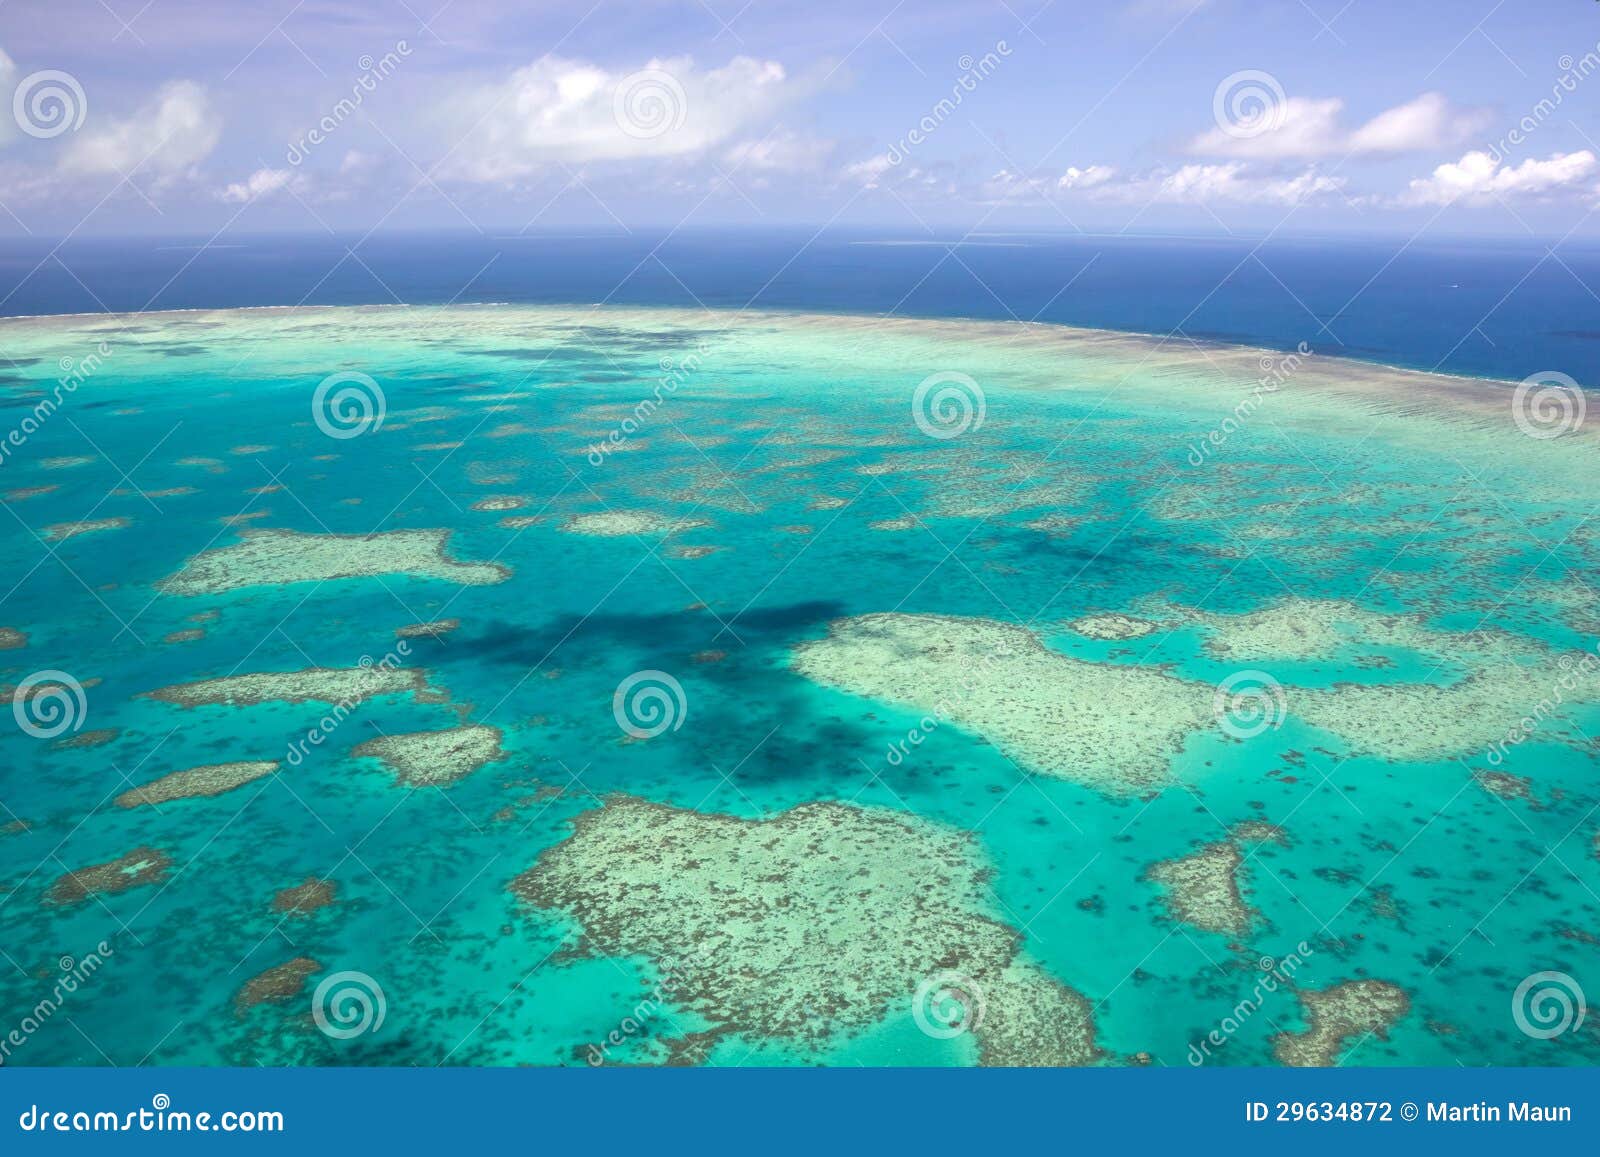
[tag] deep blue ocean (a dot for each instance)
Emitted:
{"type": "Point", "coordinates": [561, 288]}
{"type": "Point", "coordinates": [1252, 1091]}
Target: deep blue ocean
{"type": "Point", "coordinates": [1485, 307]}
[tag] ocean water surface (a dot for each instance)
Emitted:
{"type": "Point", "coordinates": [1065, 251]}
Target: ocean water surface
{"type": "Point", "coordinates": [729, 686]}
{"type": "Point", "coordinates": [1488, 307]}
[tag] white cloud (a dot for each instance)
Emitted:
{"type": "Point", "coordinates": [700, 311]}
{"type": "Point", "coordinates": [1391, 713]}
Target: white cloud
{"type": "Point", "coordinates": [781, 150]}
{"type": "Point", "coordinates": [261, 183]}
{"type": "Point", "coordinates": [871, 171]}
{"type": "Point", "coordinates": [1009, 186]}
{"type": "Point", "coordinates": [1231, 182]}
{"type": "Point", "coordinates": [1305, 127]}
{"type": "Point", "coordinates": [1076, 178]}
{"type": "Point", "coordinates": [559, 111]}
{"type": "Point", "coordinates": [1428, 122]}
{"type": "Point", "coordinates": [164, 137]}
{"type": "Point", "coordinates": [356, 161]}
{"type": "Point", "coordinates": [1478, 178]}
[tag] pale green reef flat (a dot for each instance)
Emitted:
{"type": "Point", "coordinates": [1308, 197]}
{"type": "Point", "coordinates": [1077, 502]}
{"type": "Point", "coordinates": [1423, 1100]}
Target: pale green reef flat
{"type": "Point", "coordinates": [751, 711]}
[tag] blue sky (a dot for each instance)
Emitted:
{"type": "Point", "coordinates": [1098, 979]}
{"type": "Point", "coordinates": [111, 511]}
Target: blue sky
{"type": "Point", "coordinates": [185, 116]}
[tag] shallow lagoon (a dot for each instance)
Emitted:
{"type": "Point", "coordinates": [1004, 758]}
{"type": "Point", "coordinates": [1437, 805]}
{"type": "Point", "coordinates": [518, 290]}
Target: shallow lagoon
{"type": "Point", "coordinates": [1410, 535]}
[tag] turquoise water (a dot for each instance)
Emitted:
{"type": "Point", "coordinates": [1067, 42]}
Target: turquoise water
{"type": "Point", "coordinates": [1408, 871]}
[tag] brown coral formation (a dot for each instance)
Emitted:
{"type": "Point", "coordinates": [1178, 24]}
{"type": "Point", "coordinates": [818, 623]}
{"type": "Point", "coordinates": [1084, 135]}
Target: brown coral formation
{"type": "Point", "coordinates": [1202, 889]}
{"type": "Point", "coordinates": [197, 783]}
{"type": "Point", "coordinates": [818, 921]}
{"type": "Point", "coordinates": [143, 865]}
{"type": "Point", "coordinates": [1112, 627]}
{"type": "Point", "coordinates": [436, 758]}
{"type": "Point", "coordinates": [94, 738]}
{"type": "Point", "coordinates": [313, 684]}
{"type": "Point", "coordinates": [436, 629]}
{"type": "Point", "coordinates": [1505, 785]}
{"type": "Point", "coordinates": [1109, 726]}
{"type": "Point", "coordinates": [281, 982]}
{"type": "Point", "coordinates": [275, 557]}
{"type": "Point", "coordinates": [1338, 1016]}
{"type": "Point", "coordinates": [305, 897]}
{"type": "Point", "coordinates": [64, 530]}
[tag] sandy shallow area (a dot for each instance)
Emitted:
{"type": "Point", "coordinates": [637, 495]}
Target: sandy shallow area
{"type": "Point", "coordinates": [313, 684]}
{"type": "Point", "coordinates": [276, 557]}
{"type": "Point", "coordinates": [1107, 726]}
